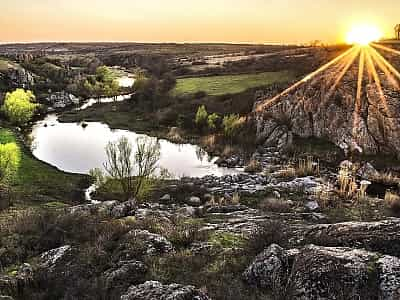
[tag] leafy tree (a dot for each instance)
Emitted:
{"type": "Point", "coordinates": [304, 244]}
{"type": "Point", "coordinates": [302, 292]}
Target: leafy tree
{"type": "Point", "coordinates": [201, 117]}
{"type": "Point", "coordinates": [19, 106]}
{"type": "Point", "coordinates": [122, 165]}
{"type": "Point", "coordinates": [231, 125]}
{"type": "Point", "coordinates": [9, 163]}
{"type": "Point", "coordinates": [104, 74]}
{"type": "Point", "coordinates": [212, 121]}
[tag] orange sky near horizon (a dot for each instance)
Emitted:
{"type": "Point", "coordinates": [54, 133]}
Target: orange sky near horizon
{"type": "Point", "coordinates": [253, 21]}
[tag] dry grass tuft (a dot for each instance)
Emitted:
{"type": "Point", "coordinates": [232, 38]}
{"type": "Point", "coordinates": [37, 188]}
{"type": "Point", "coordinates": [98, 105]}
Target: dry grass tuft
{"type": "Point", "coordinates": [392, 200]}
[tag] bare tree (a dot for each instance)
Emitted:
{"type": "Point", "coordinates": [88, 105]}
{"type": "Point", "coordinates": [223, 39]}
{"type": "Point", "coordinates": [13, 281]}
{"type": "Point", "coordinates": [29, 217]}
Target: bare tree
{"type": "Point", "coordinates": [132, 172]}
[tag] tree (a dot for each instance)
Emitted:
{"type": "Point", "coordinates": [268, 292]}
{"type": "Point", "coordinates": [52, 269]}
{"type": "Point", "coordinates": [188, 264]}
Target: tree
{"type": "Point", "coordinates": [212, 121]}
{"type": "Point", "coordinates": [19, 106]}
{"type": "Point", "coordinates": [104, 74]}
{"type": "Point", "coordinates": [232, 125]}
{"type": "Point", "coordinates": [121, 165]}
{"type": "Point", "coordinates": [201, 117]}
{"type": "Point", "coordinates": [9, 163]}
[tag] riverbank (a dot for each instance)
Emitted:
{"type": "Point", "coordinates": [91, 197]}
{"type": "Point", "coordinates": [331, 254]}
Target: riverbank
{"type": "Point", "coordinates": [124, 116]}
{"type": "Point", "coordinates": [38, 182]}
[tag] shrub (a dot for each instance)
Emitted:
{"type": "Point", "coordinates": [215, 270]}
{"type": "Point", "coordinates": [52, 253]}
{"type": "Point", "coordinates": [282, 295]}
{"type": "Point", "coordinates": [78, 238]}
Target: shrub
{"type": "Point", "coordinates": [231, 124]}
{"type": "Point", "coordinates": [201, 117]}
{"type": "Point", "coordinates": [274, 205]}
{"type": "Point", "coordinates": [267, 233]}
{"type": "Point", "coordinates": [212, 121]}
{"type": "Point", "coordinates": [254, 166]}
{"type": "Point", "coordinates": [392, 200]}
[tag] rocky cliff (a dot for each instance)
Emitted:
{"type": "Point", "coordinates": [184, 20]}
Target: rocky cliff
{"type": "Point", "coordinates": [325, 106]}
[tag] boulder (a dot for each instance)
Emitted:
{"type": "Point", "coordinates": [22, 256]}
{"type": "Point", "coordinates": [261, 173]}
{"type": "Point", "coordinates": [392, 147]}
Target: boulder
{"type": "Point", "coordinates": [154, 290]}
{"type": "Point", "coordinates": [194, 201]}
{"type": "Point", "coordinates": [312, 206]}
{"type": "Point", "coordinates": [316, 272]}
{"type": "Point", "coordinates": [153, 243]}
{"type": "Point", "coordinates": [368, 172]}
{"type": "Point", "coordinates": [50, 259]}
{"type": "Point", "coordinates": [124, 274]}
{"type": "Point", "coordinates": [380, 236]}
{"type": "Point", "coordinates": [165, 198]}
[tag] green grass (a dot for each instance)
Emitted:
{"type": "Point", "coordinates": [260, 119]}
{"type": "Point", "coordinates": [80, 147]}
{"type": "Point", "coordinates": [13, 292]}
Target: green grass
{"type": "Point", "coordinates": [38, 181]}
{"type": "Point", "coordinates": [3, 65]}
{"type": "Point", "coordinates": [229, 84]}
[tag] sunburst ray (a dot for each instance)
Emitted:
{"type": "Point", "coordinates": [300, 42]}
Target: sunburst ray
{"type": "Point", "coordinates": [304, 80]}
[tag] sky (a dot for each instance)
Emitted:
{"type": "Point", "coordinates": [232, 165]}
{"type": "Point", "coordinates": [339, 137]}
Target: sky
{"type": "Point", "coordinates": [238, 21]}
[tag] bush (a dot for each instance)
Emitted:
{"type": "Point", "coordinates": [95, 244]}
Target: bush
{"type": "Point", "coordinates": [231, 124]}
{"type": "Point", "coordinates": [201, 117]}
{"type": "Point", "coordinates": [254, 166]}
{"type": "Point", "coordinates": [212, 121]}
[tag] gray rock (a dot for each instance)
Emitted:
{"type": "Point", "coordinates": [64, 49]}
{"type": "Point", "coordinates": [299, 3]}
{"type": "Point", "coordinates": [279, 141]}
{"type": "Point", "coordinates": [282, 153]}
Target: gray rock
{"type": "Point", "coordinates": [312, 206]}
{"type": "Point", "coordinates": [367, 171]}
{"type": "Point", "coordinates": [51, 258]}
{"type": "Point", "coordinates": [194, 201]}
{"type": "Point", "coordinates": [125, 274]}
{"type": "Point", "coordinates": [380, 236]}
{"type": "Point", "coordinates": [165, 198]}
{"type": "Point", "coordinates": [154, 243]}
{"type": "Point", "coordinates": [123, 209]}
{"type": "Point", "coordinates": [187, 211]}
{"type": "Point", "coordinates": [153, 290]}
{"type": "Point", "coordinates": [316, 272]}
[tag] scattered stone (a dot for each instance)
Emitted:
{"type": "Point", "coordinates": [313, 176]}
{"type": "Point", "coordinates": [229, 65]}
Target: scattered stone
{"type": "Point", "coordinates": [312, 206]}
{"type": "Point", "coordinates": [125, 274]}
{"type": "Point", "coordinates": [154, 290]}
{"type": "Point", "coordinates": [50, 258]}
{"type": "Point", "coordinates": [194, 201]}
{"type": "Point", "coordinates": [154, 243]}
{"type": "Point", "coordinates": [368, 172]}
{"type": "Point", "coordinates": [165, 198]}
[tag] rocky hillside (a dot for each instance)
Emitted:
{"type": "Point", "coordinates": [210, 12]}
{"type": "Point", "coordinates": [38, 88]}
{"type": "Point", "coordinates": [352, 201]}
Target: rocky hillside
{"type": "Point", "coordinates": [322, 107]}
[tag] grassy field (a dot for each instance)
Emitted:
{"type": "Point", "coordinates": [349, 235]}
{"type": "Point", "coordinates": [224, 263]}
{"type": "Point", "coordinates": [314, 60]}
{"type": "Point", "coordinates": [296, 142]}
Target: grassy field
{"type": "Point", "coordinates": [229, 84]}
{"type": "Point", "coordinates": [3, 65]}
{"type": "Point", "coordinates": [38, 181]}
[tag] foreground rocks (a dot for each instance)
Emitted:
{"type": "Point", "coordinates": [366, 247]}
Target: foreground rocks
{"type": "Point", "coordinates": [382, 236]}
{"type": "Point", "coordinates": [154, 290]}
{"type": "Point", "coordinates": [315, 272]}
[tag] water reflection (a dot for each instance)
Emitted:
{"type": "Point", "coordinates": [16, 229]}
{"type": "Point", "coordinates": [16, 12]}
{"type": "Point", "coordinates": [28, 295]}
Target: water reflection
{"type": "Point", "coordinates": [74, 148]}
{"type": "Point", "coordinates": [93, 101]}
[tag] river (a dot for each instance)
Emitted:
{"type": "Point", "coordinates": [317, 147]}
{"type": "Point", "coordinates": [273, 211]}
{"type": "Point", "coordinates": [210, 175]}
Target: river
{"type": "Point", "coordinates": [74, 148]}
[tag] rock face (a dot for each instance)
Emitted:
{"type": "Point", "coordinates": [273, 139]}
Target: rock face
{"type": "Point", "coordinates": [315, 272]}
{"type": "Point", "coordinates": [153, 290]}
{"type": "Point", "coordinates": [382, 236]}
{"type": "Point", "coordinates": [315, 109]}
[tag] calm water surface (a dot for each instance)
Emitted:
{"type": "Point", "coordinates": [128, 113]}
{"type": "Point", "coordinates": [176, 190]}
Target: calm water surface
{"type": "Point", "coordinates": [72, 148]}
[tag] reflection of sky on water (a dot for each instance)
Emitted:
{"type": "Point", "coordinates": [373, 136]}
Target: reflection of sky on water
{"type": "Point", "coordinates": [72, 148]}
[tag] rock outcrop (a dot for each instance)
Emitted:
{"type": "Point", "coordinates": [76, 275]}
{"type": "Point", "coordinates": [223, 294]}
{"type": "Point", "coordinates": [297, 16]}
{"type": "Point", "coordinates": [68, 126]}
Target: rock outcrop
{"type": "Point", "coordinates": [382, 236]}
{"type": "Point", "coordinates": [154, 290]}
{"type": "Point", "coordinates": [322, 107]}
{"type": "Point", "coordinates": [315, 272]}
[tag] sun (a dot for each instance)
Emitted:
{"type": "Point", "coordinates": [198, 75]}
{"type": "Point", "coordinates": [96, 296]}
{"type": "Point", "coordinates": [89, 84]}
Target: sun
{"type": "Point", "coordinates": [363, 35]}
